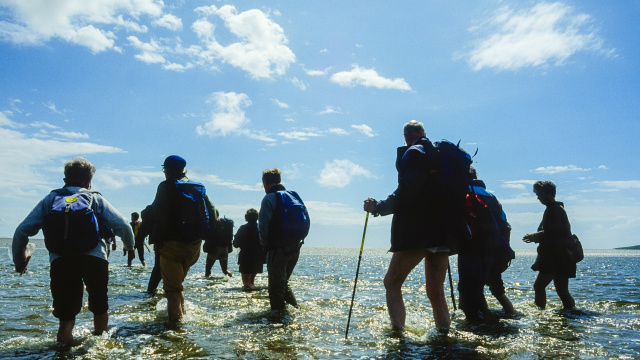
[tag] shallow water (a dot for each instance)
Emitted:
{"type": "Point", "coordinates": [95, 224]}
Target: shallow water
{"type": "Point", "coordinates": [223, 322]}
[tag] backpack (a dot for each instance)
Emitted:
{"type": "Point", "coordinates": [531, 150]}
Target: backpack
{"type": "Point", "coordinates": [453, 178]}
{"type": "Point", "coordinates": [222, 236]}
{"type": "Point", "coordinates": [71, 227]}
{"type": "Point", "coordinates": [195, 215]}
{"type": "Point", "coordinates": [575, 248]}
{"type": "Point", "coordinates": [294, 223]}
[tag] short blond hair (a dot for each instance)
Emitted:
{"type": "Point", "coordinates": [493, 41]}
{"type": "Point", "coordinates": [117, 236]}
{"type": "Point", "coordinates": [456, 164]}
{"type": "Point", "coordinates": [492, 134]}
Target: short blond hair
{"type": "Point", "coordinates": [271, 176]}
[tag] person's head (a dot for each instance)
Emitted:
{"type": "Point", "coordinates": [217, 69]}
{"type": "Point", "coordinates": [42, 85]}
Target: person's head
{"type": "Point", "coordinates": [473, 173]}
{"type": "Point", "coordinates": [545, 191]}
{"type": "Point", "coordinates": [174, 166]}
{"type": "Point", "coordinates": [251, 215]}
{"type": "Point", "coordinates": [79, 172]}
{"type": "Point", "coordinates": [135, 216]}
{"type": "Point", "coordinates": [270, 177]}
{"type": "Point", "coordinates": [413, 131]}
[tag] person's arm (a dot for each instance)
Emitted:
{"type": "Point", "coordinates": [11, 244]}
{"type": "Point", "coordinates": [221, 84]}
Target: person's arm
{"type": "Point", "coordinates": [30, 226]}
{"type": "Point", "coordinates": [115, 221]}
{"type": "Point", "coordinates": [264, 217]}
{"type": "Point", "coordinates": [239, 237]}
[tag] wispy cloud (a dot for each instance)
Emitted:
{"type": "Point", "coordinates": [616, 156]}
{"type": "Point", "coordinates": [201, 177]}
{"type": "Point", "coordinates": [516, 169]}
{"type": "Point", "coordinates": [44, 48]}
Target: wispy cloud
{"type": "Point", "coordinates": [26, 154]}
{"type": "Point", "coordinates": [339, 173]}
{"type": "Point", "coordinates": [364, 129]}
{"type": "Point", "coordinates": [300, 135]}
{"type": "Point", "coordinates": [518, 184]}
{"type": "Point", "coordinates": [547, 33]}
{"type": "Point", "coordinates": [72, 135]}
{"type": "Point", "coordinates": [622, 184]}
{"type": "Point", "coordinates": [368, 78]}
{"type": "Point", "coordinates": [338, 131]}
{"type": "Point", "coordinates": [330, 110]}
{"type": "Point", "coordinates": [558, 169]}
{"type": "Point", "coordinates": [281, 104]}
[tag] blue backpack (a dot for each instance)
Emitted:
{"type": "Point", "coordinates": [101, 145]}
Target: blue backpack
{"type": "Point", "coordinates": [71, 227]}
{"type": "Point", "coordinates": [295, 223]}
{"type": "Point", "coordinates": [195, 214]}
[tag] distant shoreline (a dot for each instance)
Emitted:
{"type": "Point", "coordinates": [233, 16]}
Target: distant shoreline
{"type": "Point", "coordinates": [635, 247]}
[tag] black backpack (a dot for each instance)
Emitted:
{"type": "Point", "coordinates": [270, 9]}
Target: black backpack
{"type": "Point", "coordinates": [221, 236]}
{"type": "Point", "coordinates": [195, 214]}
{"type": "Point", "coordinates": [71, 227]}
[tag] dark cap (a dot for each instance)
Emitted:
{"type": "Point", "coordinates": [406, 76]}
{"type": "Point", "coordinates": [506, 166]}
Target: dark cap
{"type": "Point", "coordinates": [174, 162]}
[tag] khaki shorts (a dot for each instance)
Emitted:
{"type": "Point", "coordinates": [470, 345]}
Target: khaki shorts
{"type": "Point", "coordinates": [175, 260]}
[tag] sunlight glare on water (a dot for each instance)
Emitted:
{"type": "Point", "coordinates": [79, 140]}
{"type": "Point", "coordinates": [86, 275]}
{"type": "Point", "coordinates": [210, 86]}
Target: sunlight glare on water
{"type": "Point", "coordinates": [223, 322]}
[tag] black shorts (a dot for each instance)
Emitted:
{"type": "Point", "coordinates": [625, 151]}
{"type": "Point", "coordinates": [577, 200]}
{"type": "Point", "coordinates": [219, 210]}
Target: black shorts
{"type": "Point", "coordinates": [69, 276]}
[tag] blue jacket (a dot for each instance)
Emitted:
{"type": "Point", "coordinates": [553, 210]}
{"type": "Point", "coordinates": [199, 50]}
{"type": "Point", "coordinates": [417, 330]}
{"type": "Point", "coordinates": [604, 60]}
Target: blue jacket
{"type": "Point", "coordinates": [104, 211]}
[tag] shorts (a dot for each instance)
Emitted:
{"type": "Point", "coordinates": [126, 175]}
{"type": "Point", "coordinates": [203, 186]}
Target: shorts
{"type": "Point", "coordinates": [219, 253]}
{"type": "Point", "coordinates": [175, 260]}
{"type": "Point", "coordinates": [70, 274]}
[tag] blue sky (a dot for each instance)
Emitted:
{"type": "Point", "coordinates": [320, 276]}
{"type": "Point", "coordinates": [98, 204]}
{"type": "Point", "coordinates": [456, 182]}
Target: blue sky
{"type": "Point", "coordinates": [543, 91]}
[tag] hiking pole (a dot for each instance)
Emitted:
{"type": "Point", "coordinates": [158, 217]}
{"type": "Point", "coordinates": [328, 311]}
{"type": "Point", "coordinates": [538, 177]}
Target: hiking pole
{"type": "Point", "coordinates": [453, 298]}
{"type": "Point", "coordinates": [346, 334]}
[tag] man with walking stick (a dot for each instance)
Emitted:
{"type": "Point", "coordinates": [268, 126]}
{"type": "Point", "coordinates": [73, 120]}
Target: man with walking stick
{"type": "Point", "coordinates": [422, 228]}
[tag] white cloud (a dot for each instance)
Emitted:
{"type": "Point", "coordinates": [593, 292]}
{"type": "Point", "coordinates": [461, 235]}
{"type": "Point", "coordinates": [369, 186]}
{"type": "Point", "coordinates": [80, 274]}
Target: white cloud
{"type": "Point", "coordinates": [299, 83]}
{"type": "Point", "coordinates": [338, 173]}
{"type": "Point", "coordinates": [150, 52]}
{"type": "Point", "coordinates": [546, 33]}
{"type": "Point", "coordinates": [368, 78]}
{"type": "Point", "coordinates": [281, 104]}
{"type": "Point", "coordinates": [51, 106]}
{"type": "Point", "coordinates": [558, 169]}
{"type": "Point", "coordinates": [330, 110]}
{"type": "Point", "coordinates": [299, 135]}
{"type": "Point", "coordinates": [170, 22]}
{"type": "Point", "coordinates": [364, 129]}
{"type": "Point", "coordinates": [79, 22]}
{"type": "Point", "coordinates": [338, 131]}
{"type": "Point", "coordinates": [228, 116]}
{"type": "Point", "coordinates": [622, 185]}
{"type": "Point", "coordinates": [262, 49]}
{"type": "Point", "coordinates": [72, 135]}
{"type": "Point", "coordinates": [25, 157]}
{"type": "Point", "coordinates": [518, 184]}
{"type": "Point", "coordinates": [318, 72]}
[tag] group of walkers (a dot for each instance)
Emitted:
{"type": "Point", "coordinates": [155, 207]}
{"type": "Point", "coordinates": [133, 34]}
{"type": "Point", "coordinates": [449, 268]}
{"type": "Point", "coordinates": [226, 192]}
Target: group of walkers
{"type": "Point", "coordinates": [432, 222]}
{"type": "Point", "coordinates": [80, 225]}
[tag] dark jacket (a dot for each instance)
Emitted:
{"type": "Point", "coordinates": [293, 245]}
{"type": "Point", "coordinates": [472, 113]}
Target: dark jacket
{"type": "Point", "coordinates": [421, 218]}
{"type": "Point", "coordinates": [248, 240]}
{"type": "Point", "coordinates": [553, 237]}
{"type": "Point", "coordinates": [167, 211]}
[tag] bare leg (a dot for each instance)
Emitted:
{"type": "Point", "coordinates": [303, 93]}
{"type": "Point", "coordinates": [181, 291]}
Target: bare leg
{"type": "Point", "coordinates": [224, 266]}
{"type": "Point", "coordinates": [402, 262]}
{"type": "Point", "coordinates": [175, 305]}
{"type": "Point", "coordinates": [65, 329]}
{"type": "Point", "coordinates": [100, 323]}
{"type": "Point", "coordinates": [435, 271]}
{"type": "Point", "coordinates": [246, 281]}
{"type": "Point", "coordinates": [562, 288]}
{"type": "Point", "coordinates": [540, 288]}
{"type": "Point", "coordinates": [507, 306]}
{"type": "Point", "coordinates": [253, 281]}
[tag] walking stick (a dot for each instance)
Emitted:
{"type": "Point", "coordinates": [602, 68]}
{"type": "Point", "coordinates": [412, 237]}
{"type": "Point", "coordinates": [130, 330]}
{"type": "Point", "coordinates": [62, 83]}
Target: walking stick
{"type": "Point", "coordinates": [453, 298]}
{"type": "Point", "coordinates": [346, 334]}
